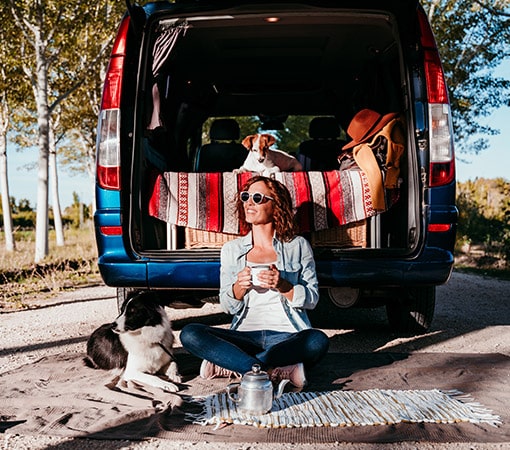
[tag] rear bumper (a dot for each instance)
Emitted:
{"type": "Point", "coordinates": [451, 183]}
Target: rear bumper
{"type": "Point", "coordinates": [432, 267]}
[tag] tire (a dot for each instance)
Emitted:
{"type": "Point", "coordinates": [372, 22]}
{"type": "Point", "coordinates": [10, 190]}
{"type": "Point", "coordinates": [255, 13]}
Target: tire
{"type": "Point", "coordinates": [122, 295]}
{"type": "Point", "coordinates": [413, 311]}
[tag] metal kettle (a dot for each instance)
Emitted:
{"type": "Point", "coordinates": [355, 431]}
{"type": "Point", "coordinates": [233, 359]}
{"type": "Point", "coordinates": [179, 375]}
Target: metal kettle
{"type": "Point", "coordinates": [254, 392]}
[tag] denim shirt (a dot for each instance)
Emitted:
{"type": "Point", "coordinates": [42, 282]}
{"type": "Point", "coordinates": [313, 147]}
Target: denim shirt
{"type": "Point", "coordinates": [296, 265]}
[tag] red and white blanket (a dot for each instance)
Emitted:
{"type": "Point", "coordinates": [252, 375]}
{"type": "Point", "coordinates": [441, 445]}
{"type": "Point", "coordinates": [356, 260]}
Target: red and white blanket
{"type": "Point", "coordinates": [206, 201]}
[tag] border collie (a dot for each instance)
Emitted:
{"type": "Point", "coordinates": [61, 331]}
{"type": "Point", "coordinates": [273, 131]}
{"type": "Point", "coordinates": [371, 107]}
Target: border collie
{"type": "Point", "coordinates": [140, 341]}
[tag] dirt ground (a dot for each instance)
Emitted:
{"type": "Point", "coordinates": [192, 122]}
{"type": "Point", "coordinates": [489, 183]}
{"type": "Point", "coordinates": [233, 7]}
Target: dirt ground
{"type": "Point", "coordinates": [472, 317]}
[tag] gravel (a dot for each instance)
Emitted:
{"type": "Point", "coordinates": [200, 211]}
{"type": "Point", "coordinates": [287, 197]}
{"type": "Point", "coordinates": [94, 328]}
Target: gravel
{"type": "Point", "coordinates": [472, 316]}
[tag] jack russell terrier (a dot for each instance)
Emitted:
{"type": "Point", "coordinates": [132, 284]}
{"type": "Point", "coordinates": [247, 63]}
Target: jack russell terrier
{"type": "Point", "coordinates": [266, 161]}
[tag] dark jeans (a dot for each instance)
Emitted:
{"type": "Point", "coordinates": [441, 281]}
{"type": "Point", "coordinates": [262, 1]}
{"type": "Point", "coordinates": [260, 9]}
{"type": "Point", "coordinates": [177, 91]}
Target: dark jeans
{"type": "Point", "coordinates": [239, 350]}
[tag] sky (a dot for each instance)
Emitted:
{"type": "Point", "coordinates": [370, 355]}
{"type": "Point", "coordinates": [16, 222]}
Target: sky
{"type": "Point", "coordinates": [491, 163]}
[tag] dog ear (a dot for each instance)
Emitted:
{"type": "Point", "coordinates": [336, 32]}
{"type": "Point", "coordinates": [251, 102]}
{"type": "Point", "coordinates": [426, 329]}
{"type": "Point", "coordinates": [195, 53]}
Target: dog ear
{"type": "Point", "coordinates": [248, 142]}
{"type": "Point", "coordinates": [270, 139]}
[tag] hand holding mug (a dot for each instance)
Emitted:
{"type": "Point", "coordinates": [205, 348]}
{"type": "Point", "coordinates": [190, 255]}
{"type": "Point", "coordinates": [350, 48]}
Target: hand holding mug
{"type": "Point", "coordinates": [266, 276]}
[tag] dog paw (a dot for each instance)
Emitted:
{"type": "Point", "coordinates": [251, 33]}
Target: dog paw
{"type": "Point", "coordinates": [172, 373]}
{"type": "Point", "coordinates": [175, 378]}
{"type": "Point", "coordinates": [170, 387]}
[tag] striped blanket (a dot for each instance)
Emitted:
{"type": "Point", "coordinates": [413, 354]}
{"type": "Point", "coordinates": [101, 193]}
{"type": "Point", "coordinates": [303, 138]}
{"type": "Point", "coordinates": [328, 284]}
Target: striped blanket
{"type": "Point", "coordinates": [206, 201]}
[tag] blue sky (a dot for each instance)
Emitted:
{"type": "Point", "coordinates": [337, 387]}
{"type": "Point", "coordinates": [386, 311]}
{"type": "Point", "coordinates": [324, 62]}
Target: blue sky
{"type": "Point", "coordinates": [491, 163]}
{"type": "Point", "coordinates": [23, 180]}
{"type": "Point", "coordinates": [495, 161]}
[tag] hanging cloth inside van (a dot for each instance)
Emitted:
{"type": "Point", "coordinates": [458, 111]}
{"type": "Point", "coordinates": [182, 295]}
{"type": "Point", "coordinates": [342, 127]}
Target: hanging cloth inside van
{"type": "Point", "coordinates": [165, 42]}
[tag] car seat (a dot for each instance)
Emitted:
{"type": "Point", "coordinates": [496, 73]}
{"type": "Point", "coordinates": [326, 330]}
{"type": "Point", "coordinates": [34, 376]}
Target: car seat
{"type": "Point", "coordinates": [223, 154]}
{"type": "Point", "coordinates": [322, 150]}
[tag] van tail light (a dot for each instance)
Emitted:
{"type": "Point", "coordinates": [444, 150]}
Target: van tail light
{"type": "Point", "coordinates": [439, 227]}
{"type": "Point", "coordinates": [442, 156]}
{"type": "Point", "coordinates": [111, 230]}
{"type": "Point", "coordinates": [108, 134]}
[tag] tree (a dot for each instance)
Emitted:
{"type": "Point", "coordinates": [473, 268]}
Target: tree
{"type": "Point", "coordinates": [484, 207]}
{"type": "Point", "coordinates": [472, 37]}
{"type": "Point", "coordinates": [55, 46]}
{"type": "Point", "coordinates": [57, 214]}
{"type": "Point", "coordinates": [38, 23]}
{"type": "Point", "coordinates": [4, 183]}
{"type": "Point", "coordinates": [8, 99]}
{"type": "Point", "coordinates": [77, 152]}
{"type": "Point", "coordinates": [78, 213]}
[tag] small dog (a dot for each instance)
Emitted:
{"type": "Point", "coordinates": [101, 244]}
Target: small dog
{"type": "Point", "coordinates": [139, 341]}
{"type": "Point", "coordinates": [264, 160]}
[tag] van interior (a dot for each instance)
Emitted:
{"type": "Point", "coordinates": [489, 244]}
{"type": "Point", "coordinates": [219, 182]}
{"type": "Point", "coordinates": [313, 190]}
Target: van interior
{"type": "Point", "coordinates": [300, 75]}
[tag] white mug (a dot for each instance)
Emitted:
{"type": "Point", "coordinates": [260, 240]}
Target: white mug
{"type": "Point", "coordinates": [255, 271]}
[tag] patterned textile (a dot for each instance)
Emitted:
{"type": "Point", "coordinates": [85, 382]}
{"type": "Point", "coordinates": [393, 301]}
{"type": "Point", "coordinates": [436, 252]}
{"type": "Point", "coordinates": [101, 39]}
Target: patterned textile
{"type": "Point", "coordinates": [206, 201]}
{"type": "Point", "coordinates": [349, 408]}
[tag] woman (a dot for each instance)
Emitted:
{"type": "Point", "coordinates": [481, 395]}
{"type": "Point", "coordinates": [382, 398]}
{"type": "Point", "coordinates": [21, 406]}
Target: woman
{"type": "Point", "coordinates": [270, 325]}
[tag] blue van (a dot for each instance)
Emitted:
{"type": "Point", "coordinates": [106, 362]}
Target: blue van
{"type": "Point", "coordinates": [187, 81]}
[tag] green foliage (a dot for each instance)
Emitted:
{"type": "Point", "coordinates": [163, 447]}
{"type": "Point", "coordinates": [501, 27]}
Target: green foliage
{"type": "Point", "coordinates": [76, 214]}
{"type": "Point", "coordinates": [24, 220]}
{"type": "Point", "coordinates": [23, 215]}
{"type": "Point", "coordinates": [295, 130]}
{"type": "Point", "coordinates": [473, 40]}
{"type": "Point", "coordinates": [484, 219]}
{"type": "Point", "coordinates": [77, 147]}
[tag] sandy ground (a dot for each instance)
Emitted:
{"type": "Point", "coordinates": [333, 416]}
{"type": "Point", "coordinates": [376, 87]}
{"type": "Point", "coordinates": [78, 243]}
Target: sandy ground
{"type": "Point", "coordinates": [472, 316]}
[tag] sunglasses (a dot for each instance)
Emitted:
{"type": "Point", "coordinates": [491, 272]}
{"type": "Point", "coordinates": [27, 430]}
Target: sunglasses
{"type": "Point", "coordinates": [257, 197]}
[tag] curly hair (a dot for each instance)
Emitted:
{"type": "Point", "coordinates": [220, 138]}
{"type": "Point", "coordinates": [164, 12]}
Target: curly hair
{"type": "Point", "coordinates": [283, 216]}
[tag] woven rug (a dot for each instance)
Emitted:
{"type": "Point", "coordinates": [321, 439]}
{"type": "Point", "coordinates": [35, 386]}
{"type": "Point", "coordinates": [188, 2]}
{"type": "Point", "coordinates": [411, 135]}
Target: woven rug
{"type": "Point", "coordinates": [350, 408]}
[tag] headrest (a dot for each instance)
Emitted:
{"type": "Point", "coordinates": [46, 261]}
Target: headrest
{"type": "Point", "coordinates": [324, 127]}
{"type": "Point", "coordinates": [224, 130]}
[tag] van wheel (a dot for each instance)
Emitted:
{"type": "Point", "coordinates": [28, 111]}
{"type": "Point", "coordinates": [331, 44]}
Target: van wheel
{"type": "Point", "coordinates": [413, 310]}
{"type": "Point", "coordinates": [122, 295]}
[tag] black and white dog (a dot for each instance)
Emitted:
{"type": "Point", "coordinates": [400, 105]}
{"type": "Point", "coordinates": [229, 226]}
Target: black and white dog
{"type": "Point", "coordinates": [139, 341]}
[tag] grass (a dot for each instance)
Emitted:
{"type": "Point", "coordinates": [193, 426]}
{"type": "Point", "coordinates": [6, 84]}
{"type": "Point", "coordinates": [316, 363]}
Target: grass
{"type": "Point", "coordinates": [477, 260]}
{"type": "Point", "coordinates": [65, 267]}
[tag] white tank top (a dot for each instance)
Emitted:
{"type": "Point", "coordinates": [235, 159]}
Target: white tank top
{"type": "Point", "coordinates": [264, 311]}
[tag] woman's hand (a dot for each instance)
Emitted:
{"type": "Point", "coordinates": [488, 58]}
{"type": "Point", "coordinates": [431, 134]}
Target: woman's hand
{"type": "Point", "coordinates": [244, 278]}
{"type": "Point", "coordinates": [242, 284]}
{"type": "Point", "coordinates": [271, 279]}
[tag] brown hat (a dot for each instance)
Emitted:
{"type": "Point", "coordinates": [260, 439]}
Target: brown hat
{"type": "Point", "coordinates": [365, 124]}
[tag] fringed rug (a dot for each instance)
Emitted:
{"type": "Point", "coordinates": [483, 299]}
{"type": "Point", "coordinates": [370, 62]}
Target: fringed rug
{"type": "Point", "coordinates": [349, 408]}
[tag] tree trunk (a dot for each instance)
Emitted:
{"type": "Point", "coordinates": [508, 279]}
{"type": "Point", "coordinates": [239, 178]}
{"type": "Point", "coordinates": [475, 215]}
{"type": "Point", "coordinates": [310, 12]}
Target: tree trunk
{"type": "Point", "coordinates": [43, 116]}
{"type": "Point", "coordinates": [57, 214]}
{"type": "Point", "coordinates": [4, 184]}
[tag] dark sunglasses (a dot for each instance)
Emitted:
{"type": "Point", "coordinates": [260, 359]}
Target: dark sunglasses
{"type": "Point", "coordinates": [257, 197]}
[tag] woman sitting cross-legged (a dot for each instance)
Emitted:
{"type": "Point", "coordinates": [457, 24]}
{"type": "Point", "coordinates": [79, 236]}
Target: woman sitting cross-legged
{"type": "Point", "coordinates": [270, 326]}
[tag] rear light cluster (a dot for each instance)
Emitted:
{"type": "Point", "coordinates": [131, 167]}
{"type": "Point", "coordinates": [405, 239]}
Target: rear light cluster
{"type": "Point", "coordinates": [442, 159]}
{"type": "Point", "coordinates": [108, 135]}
